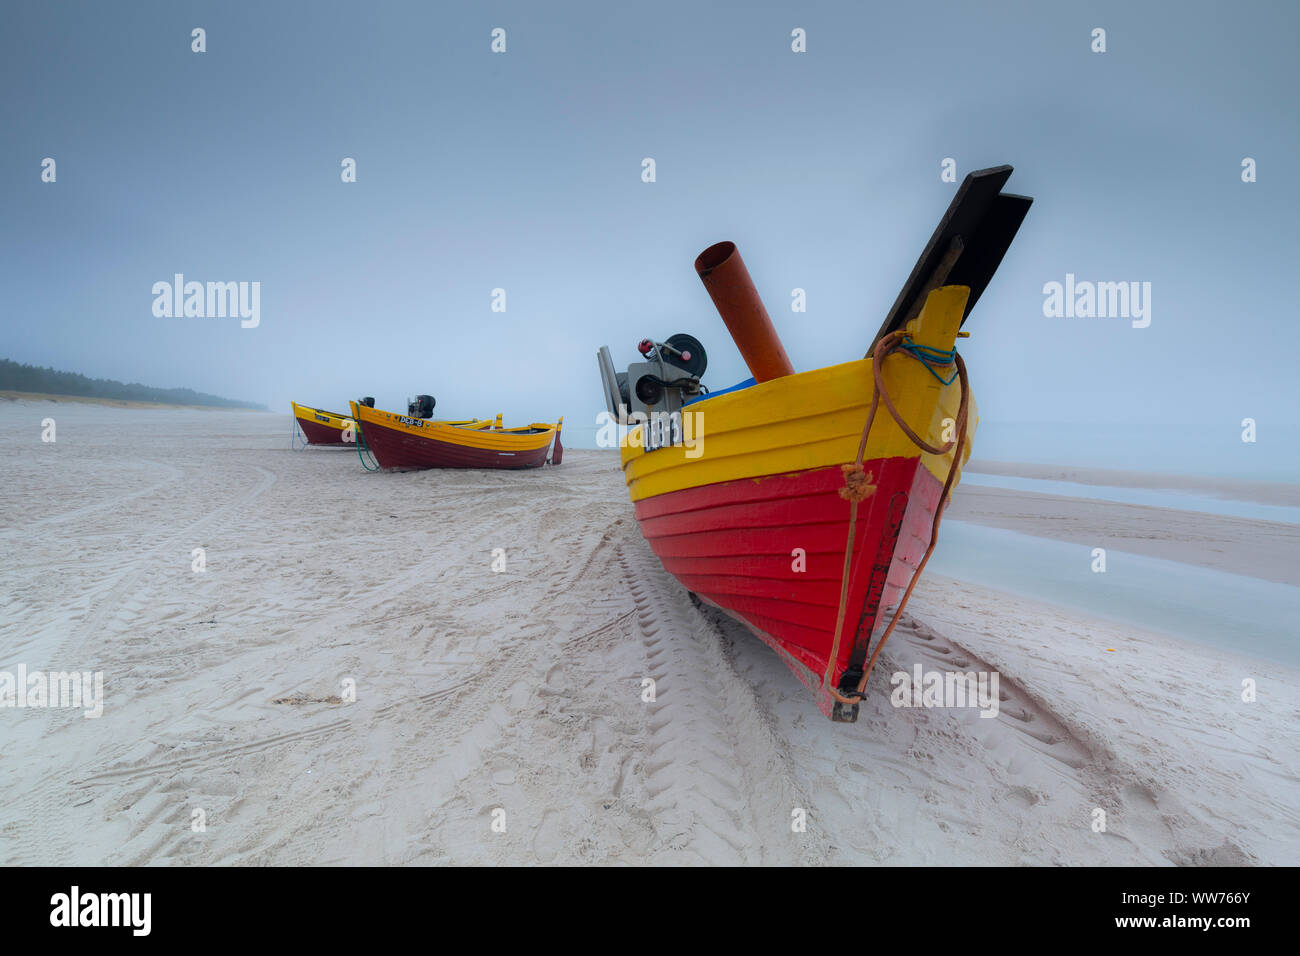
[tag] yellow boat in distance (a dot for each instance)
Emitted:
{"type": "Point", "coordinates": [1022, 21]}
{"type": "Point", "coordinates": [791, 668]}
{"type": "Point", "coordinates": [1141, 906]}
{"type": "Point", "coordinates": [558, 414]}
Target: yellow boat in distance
{"type": "Point", "coordinates": [400, 442]}
{"type": "Point", "coordinates": [332, 429]}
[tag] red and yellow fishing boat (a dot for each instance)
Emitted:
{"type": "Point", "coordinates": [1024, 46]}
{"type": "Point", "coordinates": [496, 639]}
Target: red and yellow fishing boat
{"type": "Point", "coordinates": [806, 504]}
{"type": "Point", "coordinates": [320, 427]}
{"type": "Point", "coordinates": [410, 441]}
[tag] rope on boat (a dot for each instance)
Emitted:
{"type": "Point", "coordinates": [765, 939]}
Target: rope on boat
{"type": "Point", "coordinates": [363, 450]}
{"type": "Point", "coordinates": [931, 357]}
{"type": "Point", "coordinates": [857, 486]}
{"type": "Point", "coordinates": [294, 431]}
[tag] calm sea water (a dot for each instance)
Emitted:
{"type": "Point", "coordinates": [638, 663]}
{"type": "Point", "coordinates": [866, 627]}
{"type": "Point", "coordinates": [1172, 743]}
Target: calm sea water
{"type": "Point", "coordinates": [1244, 614]}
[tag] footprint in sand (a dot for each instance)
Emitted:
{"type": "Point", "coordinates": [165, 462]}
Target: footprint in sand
{"type": "Point", "coordinates": [546, 843]}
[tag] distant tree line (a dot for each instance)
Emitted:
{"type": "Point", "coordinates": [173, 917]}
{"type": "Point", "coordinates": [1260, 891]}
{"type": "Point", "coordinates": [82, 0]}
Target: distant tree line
{"type": "Point", "coordinates": [16, 377]}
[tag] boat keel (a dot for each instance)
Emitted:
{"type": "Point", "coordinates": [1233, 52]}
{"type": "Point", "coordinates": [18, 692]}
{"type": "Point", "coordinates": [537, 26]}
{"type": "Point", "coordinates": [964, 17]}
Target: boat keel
{"type": "Point", "coordinates": [844, 713]}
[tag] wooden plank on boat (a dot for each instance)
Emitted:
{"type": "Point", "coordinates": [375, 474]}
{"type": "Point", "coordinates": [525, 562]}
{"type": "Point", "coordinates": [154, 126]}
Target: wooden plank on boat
{"type": "Point", "coordinates": [967, 246]}
{"type": "Point", "coordinates": [983, 254]}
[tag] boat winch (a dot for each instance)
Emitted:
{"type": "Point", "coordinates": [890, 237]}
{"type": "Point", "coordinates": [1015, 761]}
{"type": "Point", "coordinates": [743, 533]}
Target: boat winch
{"type": "Point", "coordinates": [661, 385]}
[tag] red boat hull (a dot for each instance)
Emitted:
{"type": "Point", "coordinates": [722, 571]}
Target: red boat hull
{"type": "Point", "coordinates": [770, 552]}
{"type": "Point", "coordinates": [397, 449]}
{"type": "Point", "coordinates": [318, 434]}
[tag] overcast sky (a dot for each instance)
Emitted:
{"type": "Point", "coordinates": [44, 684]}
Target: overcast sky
{"type": "Point", "coordinates": [522, 171]}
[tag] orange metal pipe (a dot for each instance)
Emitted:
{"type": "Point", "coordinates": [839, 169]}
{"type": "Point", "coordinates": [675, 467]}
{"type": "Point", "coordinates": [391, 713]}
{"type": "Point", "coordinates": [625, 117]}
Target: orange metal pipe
{"type": "Point", "coordinates": [724, 274]}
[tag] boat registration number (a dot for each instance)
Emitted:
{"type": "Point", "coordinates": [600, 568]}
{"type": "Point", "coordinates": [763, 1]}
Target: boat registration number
{"type": "Point", "coordinates": [663, 431]}
{"type": "Point", "coordinates": [417, 422]}
{"type": "Point", "coordinates": [322, 418]}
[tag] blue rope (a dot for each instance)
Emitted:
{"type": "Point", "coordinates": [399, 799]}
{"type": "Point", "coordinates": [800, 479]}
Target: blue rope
{"type": "Point", "coordinates": [930, 357]}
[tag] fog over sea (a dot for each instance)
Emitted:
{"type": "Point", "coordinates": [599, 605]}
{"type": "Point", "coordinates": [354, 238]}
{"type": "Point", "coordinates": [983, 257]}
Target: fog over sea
{"type": "Point", "coordinates": [1213, 450]}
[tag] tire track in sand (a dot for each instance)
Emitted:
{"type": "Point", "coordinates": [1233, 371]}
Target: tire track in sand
{"type": "Point", "coordinates": [721, 787]}
{"type": "Point", "coordinates": [451, 727]}
{"type": "Point", "coordinates": [112, 607]}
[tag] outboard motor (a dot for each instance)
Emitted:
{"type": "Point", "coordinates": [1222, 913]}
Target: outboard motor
{"type": "Point", "coordinates": [368, 401]}
{"type": "Point", "coordinates": [422, 407]}
{"type": "Point", "coordinates": [660, 385]}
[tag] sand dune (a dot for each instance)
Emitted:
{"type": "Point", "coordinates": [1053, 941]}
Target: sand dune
{"type": "Point", "coordinates": [516, 696]}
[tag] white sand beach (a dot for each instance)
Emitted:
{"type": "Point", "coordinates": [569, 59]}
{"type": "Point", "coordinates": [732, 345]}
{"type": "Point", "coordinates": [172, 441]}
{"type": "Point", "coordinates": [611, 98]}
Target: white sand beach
{"type": "Point", "coordinates": [498, 716]}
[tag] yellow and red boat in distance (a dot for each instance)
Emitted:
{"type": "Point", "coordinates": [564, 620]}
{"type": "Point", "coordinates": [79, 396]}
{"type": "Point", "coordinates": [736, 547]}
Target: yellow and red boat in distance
{"type": "Point", "coordinates": [321, 427]}
{"type": "Point", "coordinates": [806, 504]}
{"type": "Point", "coordinates": [331, 429]}
{"type": "Point", "coordinates": [411, 441]}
